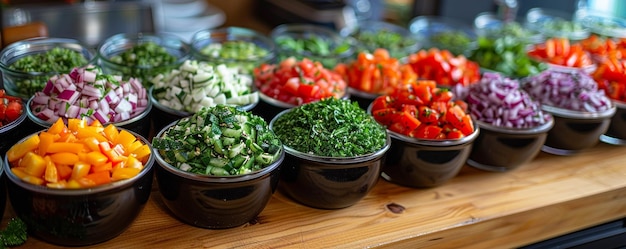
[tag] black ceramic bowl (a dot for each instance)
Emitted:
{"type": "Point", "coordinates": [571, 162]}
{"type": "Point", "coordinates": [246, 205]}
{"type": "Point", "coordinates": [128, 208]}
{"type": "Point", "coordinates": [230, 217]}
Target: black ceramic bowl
{"type": "Point", "coordinates": [503, 149]}
{"type": "Point", "coordinates": [329, 182]}
{"type": "Point", "coordinates": [80, 217]}
{"type": "Point", "coordinates": [423, 163]}
{"type": "Point", "coordinates": [574, 131]}
{"type": "Point", "coordinates": [215, 202]}
{"type": "Point", "coordinates": [139, 123]}
{"type": "Point", "coordinates": [616, 133]}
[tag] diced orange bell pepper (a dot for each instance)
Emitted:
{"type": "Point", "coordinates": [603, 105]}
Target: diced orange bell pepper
{"type": "Point", "coordinates": [65, 147]}
{"type": "Point", "coordinates": [96, 158]}
{"type": "Point", "coordinates": [142, 152]}
{"type": "Point", "coordinates": [64, 158]}
{"type": "Point", "coordinates": [51, 174]}
{"type": "Point", "coordinates": [125, 138]}
{"type": "Point", "coordinates": [64, 171]}
{"type": "Point", "coordinates": [45, 140]}
{"type": "Point", "coordinates": [95, 179]}
{"type": "Point", "coordinates": [110, 132]}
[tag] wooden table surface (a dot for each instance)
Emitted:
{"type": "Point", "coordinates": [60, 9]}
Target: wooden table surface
{"type": "Point", "coordinates": [551, 196]}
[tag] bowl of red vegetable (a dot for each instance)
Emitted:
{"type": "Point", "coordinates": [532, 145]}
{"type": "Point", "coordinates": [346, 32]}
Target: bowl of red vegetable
{"type": "Point", "coordinates": [26, 65]}
{"type": "Point", "coordinates": [611, 77]}
{"type": "Point", "coordinates": [334, 152]}
{"type": "Point", "coordinates": [87, 93]}
{"type": "Point", "coordinates": [513, 128]}
{"type": "Point", "coordinates": [373, 74]}
{"type": "Point", "coordinates": [12, 115]}
{"type": "Point", "coordinates": [582, 112]}
{"type": "Point", "coordinates": [142, 56]}
{"type": "Point", "coordinates": [79, 184]}
{"type": "Point", "coordinates": [294, 82]}
{"type": "Point", "coordinates": [431, 134]}
{"type": "Point", "coordinates": [218, 168]}
{"type": "Point", "coordinates": [196, 84]}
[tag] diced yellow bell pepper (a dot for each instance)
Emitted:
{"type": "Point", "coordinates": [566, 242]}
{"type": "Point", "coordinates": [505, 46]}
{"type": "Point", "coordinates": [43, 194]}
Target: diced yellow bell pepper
{"type": "Point", "coordinates": [111, 132]}
{"type": "Point", "coordinates": [57, 127]}
{"type": "Point", "coordinates": [51, 174]}
{"type": "Point", "coordinates": [18, 150]}
{"type": "Point", "coordinates": [80, 170]}
{"type": "Point", "coordinates": [33, 180]}
{"type": "Point", "coordinates": [142, 152]}
{"type": "Point", "coordinates": [124, 173]}
{"type": "Point", "coordinates": [33, 164]}
{"type": "Point", "coordinates": [75, 124]}
{"type": "Point", "coordinates": [125, 138]}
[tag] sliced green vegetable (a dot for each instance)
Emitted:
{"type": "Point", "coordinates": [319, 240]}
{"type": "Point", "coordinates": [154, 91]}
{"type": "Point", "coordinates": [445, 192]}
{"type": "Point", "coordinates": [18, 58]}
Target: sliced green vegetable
{"type": "Point", "coordinates": [221, 140]}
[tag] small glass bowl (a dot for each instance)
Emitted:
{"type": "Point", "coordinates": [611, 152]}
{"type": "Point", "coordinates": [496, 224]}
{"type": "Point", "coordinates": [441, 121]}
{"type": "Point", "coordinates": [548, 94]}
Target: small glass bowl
{"type": "Point", "coordinates": [408, 42]}
{"type": "Point", "coordinates": [215, 202]}
{"type": "Point", "coordinates": [139, 123]}
{"type": "Point", "coordinates": [26, 84]}
{"type": "Point", "coordinates": [489, 25]}
{"type": "Point", "coordinates": [616, 133]}
{"type": "Point", "coordinates": [339, 49]}
{"type": "Point", "coordinates": [502, 149]}
{"type": "Point", "coordinates": [329, 182]}
{"type": "Point", "coordinates": [548, 21]}
{"type": "Point", "coordinates": [120, 43]}
{"type": "Point", "coordinates": [575, 131]}
{"type": "Point", "coordinates": [428, 28]}
{"type": "Point", "coordinates": [80, 217]}
{"type": "Point", "coordinates": [204, 38]}
{"type": "Point", "coordinates": [603, 24]}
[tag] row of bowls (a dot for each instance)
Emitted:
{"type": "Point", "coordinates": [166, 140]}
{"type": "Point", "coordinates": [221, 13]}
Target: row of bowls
{"type": "Point", "coordinates": [316, 182]}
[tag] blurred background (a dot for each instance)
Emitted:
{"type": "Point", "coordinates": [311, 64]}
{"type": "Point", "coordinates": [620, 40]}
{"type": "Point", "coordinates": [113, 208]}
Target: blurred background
{"type": "Point", "coordinates": [91, 21]}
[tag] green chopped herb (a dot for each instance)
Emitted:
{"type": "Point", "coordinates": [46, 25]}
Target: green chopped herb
{"type": "Point", "coordinates": [143, 61]}
{"type": "Point", "coordinates": [330, 127]}
{"type": "Point", "coordinates": [14, 234]}
{"type": "Point", "coordinates": [55, 60]}
{"type": "Point", "coordinates": [220, 140]}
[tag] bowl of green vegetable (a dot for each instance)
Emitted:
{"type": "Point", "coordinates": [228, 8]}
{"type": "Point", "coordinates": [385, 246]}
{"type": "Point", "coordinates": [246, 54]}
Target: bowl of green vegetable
{"type": "Point", "coordinates": [26, 65]}
{"type": "Point", "coordinates": [370, 35]}
{"type": "Point", "coordinates": [217, 168]}
{"type": "Point", "coordinates": [334, 152]}
{"type": "Point", "coordinates": [233, 46]}
{"type": "Point", "coordinates": [142, 56]}
{"type": "Point", "coordinates": [554, 23]}
{"type": "Point", "coordinates": [443, 33]}
{"type": "Point", "coordinates": [196, 84]}
{"type": "Point", "coordinates": [311, 41]}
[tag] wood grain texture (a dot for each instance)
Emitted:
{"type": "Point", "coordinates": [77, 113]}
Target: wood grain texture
{"type": "Point", "coordinates": [551, 196]}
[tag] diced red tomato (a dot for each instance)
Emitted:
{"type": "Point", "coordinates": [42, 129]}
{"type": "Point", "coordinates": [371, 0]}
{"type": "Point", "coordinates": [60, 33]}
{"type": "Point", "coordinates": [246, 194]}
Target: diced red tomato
{"type": "Point", "coordinates": [439, 117]}
{"type": "Point", "coordinates": [443, 67]}
{"type": "Point", "coordinates": [298, 82]}
{"type": "Point", "coordinates": [10, 108]}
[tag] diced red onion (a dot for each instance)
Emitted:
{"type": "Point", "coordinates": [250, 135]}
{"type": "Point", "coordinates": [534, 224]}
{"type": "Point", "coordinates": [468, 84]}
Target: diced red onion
{"type": "Point", "coordinates": [499, 101]}
{"type": "Point", "coordinates": [574, 90]}
{"type": "Point", "coordinates": [79, 95]}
